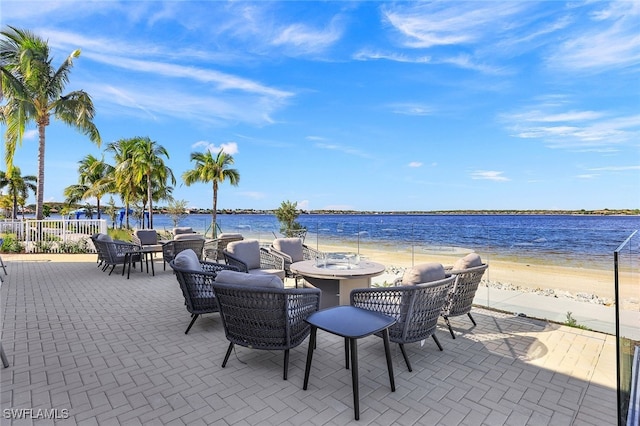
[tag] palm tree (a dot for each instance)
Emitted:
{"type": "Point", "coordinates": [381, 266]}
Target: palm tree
{"type": "Point", "coordinates": [33, 89]}
{"type": "Point", "coordinates": [121, 179]}
{"type": "Point", "coordinates": [18, 186]}
{"type": "Point", "coordinates": [212, 169]}
{"type": "Point", "coordinates": [148, 169]}
{"type": "Point", "coordinates": [91, 174]}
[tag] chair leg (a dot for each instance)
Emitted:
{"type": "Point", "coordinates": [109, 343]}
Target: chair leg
{"type": "Point", "coordinates": [446, 319]}
{"type": "Point", "coordinates": [471, 318]}
{"type": "Point", "coordinates": [112, 268]}
{"type": "Point", "coordinates": [286, 364]}
{"type": "Point", "coordinates": [226, 357]}
{"type": "Point", "coordinates": [194, 317]}
{"type": "Point", "coordinates": [404, 355]}
{"type": "Point", "coordinates": [435, 339]}
{"type": "Point", "coordinates": [3, 266]}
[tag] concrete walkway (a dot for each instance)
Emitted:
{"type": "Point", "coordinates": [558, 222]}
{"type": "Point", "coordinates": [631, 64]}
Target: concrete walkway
{"type": "Point", "coordinates": [97, 349]}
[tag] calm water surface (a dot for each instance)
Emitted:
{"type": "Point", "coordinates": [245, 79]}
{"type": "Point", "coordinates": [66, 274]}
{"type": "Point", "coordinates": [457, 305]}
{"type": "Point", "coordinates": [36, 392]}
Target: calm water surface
{"type": "Point", "coordinates": [558, 239]}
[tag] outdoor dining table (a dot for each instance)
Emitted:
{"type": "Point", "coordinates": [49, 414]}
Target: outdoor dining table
{"type": "Point", "coordinates": [337, 280]}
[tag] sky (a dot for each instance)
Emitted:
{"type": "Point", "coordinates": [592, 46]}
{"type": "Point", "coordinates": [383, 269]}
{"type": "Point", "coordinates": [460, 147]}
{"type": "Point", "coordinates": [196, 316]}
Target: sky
{"type": "Point", "coordinates": [358, 105]}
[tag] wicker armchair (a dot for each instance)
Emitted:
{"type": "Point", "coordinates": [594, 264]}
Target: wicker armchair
{"type": "Point", "coordinates": [293, 250]}
{"type": "Point", "coordinates": [113, 253]}
{"type": "Point", "coordinates": [172, 247]}
{"type": "Point", "coordinates": [248, 256]}
{"type": "Point", "coordinates": [265, 318]}
{"type": "Point", "coordinates": [416, 308]}
{"type": "Point", "coordinates": [460, 299]}
{"type": "Point", "coordinates": [195, 283]}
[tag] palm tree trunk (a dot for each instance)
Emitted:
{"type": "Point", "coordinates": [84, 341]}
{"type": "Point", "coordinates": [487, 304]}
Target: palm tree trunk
{"type": "Point", "coordinates": [214, 230]}
{"type": "Point", "coordinates": [149, 196]}
{"type": "Point", "coordinates": [40, 191]}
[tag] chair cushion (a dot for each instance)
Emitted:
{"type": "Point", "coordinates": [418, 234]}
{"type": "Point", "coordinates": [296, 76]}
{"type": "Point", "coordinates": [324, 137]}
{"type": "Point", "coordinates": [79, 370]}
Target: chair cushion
{"type": "Point", "coordinates": [104, 237]}
{"type": "Point", "coordinates": [469, 261]}
{"type": "Point", "coordinates": [256, 280]}
{"type": "Point", "coordinates": [247, 251]}
{"type": "Point", "coordinates": [290, 246]}
{"type": "Point", "coordinates": [280, 273]}
{"type": "Point", "coordinates": [182, 230]}
{"type": "Point", "coordinates": [187, 259]}
{"type": "Point", "coordinates": [147, 236]}
{"type": "Point", "coordinates": [230, 235]}
{"type": "Point", "coordinates": [423, 273]}
{"type": "Point", "coordinates": [192, 236]}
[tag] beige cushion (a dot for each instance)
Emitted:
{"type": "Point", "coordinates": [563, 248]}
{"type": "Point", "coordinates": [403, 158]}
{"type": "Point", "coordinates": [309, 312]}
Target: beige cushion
{"type": "Point", "coordinates": [423, 273]}
{"type": "Point", "coordinates": [290, 246]}
{"type": "Point", "coordinates": [187, 259]}
{"type": "Point", "coordinates": [247, 251]}
{"type": "Point", "coordinates": [258, 280]}
{"type": "Point", "coordinates": [469, 261]}
{"type": "Point", "coordinates": [277, 272]}
{"type": "Point", "coordinates": [104, 237]}
{"type": "Point", "coordinates": [188, 237]}
{"type": "Point", "coordinates": [182, 230]}
{"type": "Point", "coordinates": [230, 235]}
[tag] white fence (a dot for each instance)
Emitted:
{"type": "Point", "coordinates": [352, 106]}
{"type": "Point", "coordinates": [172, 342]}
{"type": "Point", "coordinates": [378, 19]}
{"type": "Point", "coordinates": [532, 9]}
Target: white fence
{"type": "Point", "coordinates": [54, 235]}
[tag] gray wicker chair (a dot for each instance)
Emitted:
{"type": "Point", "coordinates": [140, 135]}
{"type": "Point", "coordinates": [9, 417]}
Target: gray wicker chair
{"type": "Point", "coordinates": [248, 256]}
{"type": "Point", "coordinates": [415, 307]}
{"type": "Point", "coordinates": [293, 250]}
{"type": "Point", "coordinates": [114, 253]}
{"type": "Point", "coordinates": [172, 247]}
{"type": "Point", "coordinates": [265, 318]}
{"type": "Point", "coordinates": [460, 299]}
{"type": "Point", "coordinates": [196, 288]}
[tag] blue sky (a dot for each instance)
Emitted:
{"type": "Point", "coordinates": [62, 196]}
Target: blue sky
{"type": "Point", "coordinates": [387, 106]}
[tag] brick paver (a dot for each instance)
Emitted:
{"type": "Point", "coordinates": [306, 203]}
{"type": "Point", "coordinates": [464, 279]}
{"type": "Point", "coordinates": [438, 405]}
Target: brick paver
{"type": "Point", "coordinates": [106, 350]}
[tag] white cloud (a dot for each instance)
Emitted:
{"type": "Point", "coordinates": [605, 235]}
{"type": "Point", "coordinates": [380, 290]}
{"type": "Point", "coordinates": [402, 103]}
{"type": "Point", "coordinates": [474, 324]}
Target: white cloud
{"type": "Point", "coordinates": [573, 129]}
{"type": "Point", "coordinates": [303, 39]}
{"type": "Point", "coordinates": [411, 109]}
{"type": "Point", "coordinates": [415, 164]}
{"type": "Point", "coordinates": [611, 40]}
{"type": "Point", "coordinates": [230, 148]}
{"type": "Point", "coordinates": [489, 175]}
{"type": "Point", "coordinates": [303, 205]}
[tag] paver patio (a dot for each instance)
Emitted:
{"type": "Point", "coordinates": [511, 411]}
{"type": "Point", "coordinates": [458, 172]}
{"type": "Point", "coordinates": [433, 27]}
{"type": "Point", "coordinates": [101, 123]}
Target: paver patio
{"type": "Point", "coordinates": [110, 351]}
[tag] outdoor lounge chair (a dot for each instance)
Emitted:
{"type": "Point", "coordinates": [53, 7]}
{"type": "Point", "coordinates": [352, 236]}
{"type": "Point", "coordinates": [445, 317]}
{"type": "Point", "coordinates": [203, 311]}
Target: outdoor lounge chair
{"type": "Point", "coordinates": [195, 278]}
{"type": "Point", "coordinates": [468, 272]}
{"type": "Point", "coordinates": [293, 250]}
{"type": "Point", "coordinates": [223, 241]}
{"type": "Point", "coordinates": [171, 248]}
{"type": "Point", "coordinates": [248, 256]}
{"type": "Point", "coordinates": [114, 253]}
{"type": "Point", "coordinates": [416, 304]}
{"type": "Point", "coordinates": [259, 313]}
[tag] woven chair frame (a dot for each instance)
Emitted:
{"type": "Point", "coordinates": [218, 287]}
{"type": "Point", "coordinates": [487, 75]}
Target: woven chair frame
{"type": "Point", "coordinates": [308, 253]}
{"type": "Point", "coordinates": [460, 299]}
{"type": "Point", "coordinates": [197, 289]}
{"type": "Point", "coordinates": [113, 253]}
{"type": "Point", "coordinates": [171, 248]}
{"type": "Point", "coordinates": [265, 318]}
{"type": "Point", "coordinates": [415, 307]}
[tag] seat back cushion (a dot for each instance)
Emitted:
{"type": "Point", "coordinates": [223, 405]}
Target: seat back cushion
{"type": "Point", "coordinates": [230, 235]}
{"type": "Point", "coordinates": [423, 273]}
{"type": "Point", "coordinates": [187, 259]}
{"type": "Point", "coordinates": [182, 230]}
{"type": "Point", "coordinates": [104, 237]}
{"type": "Point", "coordinates": [469, 261]}
{"type": "Point", "coordinates": [246, 250]}
{"type": "Point", "coordinates": [191, 236]}
{"type": "Point", "coordinates": [290, 246]}
{"type": "Point", "coordinates": [147, 236]}
{"type": "Point", "coordinates": [233, 277]}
